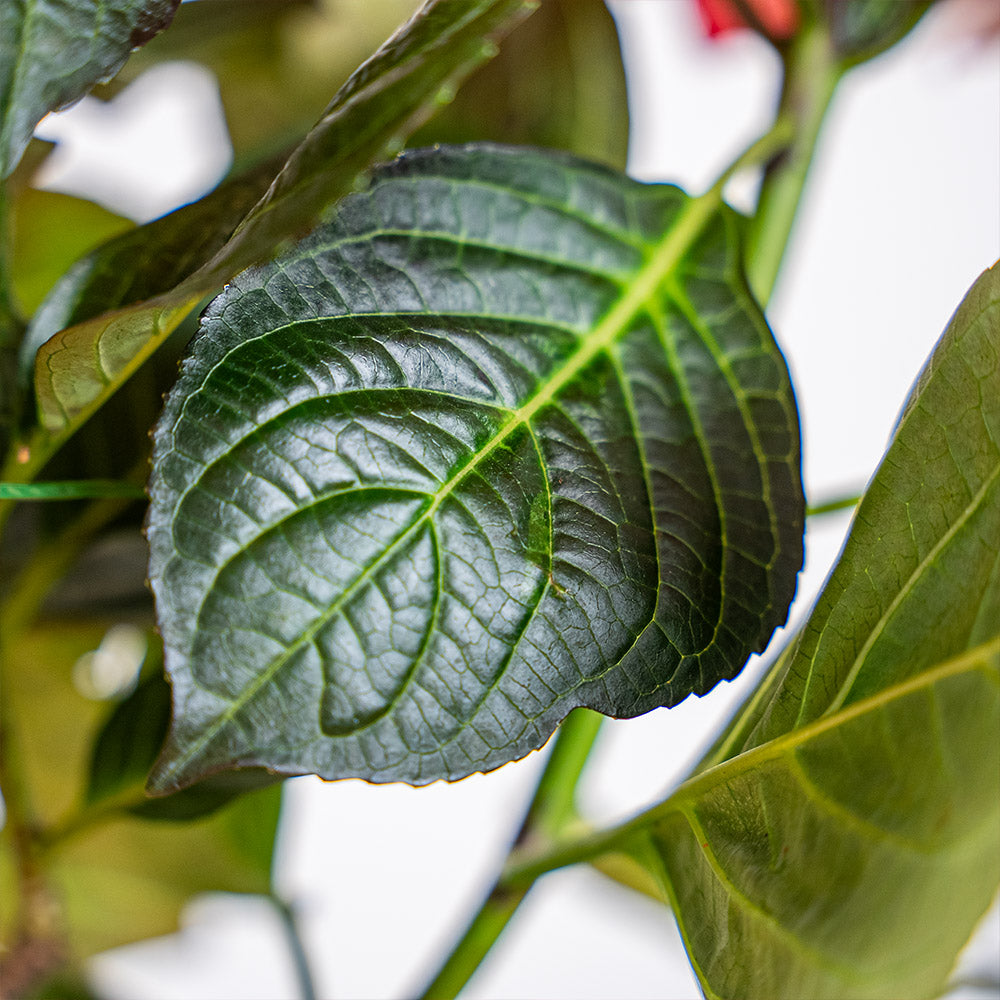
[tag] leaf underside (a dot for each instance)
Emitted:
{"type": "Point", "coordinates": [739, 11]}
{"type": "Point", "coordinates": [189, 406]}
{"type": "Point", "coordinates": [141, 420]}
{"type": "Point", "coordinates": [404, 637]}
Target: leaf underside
{"type": "Point", "coordinates": [505, 437]}
{"type": "Point", "coordinates": [53, 51]}
{"type": "Point", "coordinates": [844, 832]}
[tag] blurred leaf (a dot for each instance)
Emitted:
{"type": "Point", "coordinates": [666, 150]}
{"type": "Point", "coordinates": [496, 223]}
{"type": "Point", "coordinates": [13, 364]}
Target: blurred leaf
{"type": "Point", "coordinates": [861, 29]}
{"type": "Point", "coordinates": [844, 834]}
{"type": "Point", "coordinates": [126, 749]}
{"type": "Point", "coordinates": [144, 261]}
{"type": "Point", "coordinates": [50, 232]}
{"type": "Point", "coordinates": [383, 101]}
{"type": "Point", "coordinates": [560, 85]}
{"type": "Point", "coordinates": [127, 878]}
{"type": "Point", "coordinates": [52, 53]}
{"type": "Point", "coordinates": [504, 437]}
{"type": "Point", "coordinates": [276, 61]}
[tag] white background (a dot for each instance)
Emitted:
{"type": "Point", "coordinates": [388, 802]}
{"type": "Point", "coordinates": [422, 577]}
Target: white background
{"type": "Point", "coordinates": [902, 214]}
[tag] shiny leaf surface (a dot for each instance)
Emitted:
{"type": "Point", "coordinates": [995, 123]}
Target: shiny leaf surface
{"type": "Point", "coordinates": [505, 437]}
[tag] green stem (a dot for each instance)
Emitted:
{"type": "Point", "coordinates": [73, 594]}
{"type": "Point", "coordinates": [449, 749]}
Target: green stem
{"type": "Point", "coordinates": [832, 506]}
{"type": "Point", "coordinates": [84, 489]}
{"type": "Point", "coordinates": [812, 73]}
{"type": "Point", "coordinates": [551, 811]}
{"type": "Point", "coordinates": [290, 925]}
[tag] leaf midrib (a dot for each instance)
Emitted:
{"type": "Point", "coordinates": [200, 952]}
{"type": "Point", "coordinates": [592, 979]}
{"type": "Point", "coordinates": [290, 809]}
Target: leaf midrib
{"type": "Point", "coordinates": [687, 226]}
{"type": "Point", "coordinates": [877, 630]}
{"type": "Point", "coordinates": [970, 660]}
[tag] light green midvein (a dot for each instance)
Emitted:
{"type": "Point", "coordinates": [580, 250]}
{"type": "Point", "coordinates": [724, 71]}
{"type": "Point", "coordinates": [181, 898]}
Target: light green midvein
{"type": "Point", "coordinates": [687, 227]}
{"type": "Point", "coordinates": [879, 627]}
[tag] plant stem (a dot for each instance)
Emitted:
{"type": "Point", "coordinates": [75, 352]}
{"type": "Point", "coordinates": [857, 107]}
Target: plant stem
{"type": "Point", "coordinates": [832, 506]}
{"type": "Point", "coordinates": [290, 925]}
{"type": "Point", "coordinates": [551, 811]}
{"type": "Point", "coordinates": [83, 489]}
{"type": "Point", "coordinates": [811, 77]}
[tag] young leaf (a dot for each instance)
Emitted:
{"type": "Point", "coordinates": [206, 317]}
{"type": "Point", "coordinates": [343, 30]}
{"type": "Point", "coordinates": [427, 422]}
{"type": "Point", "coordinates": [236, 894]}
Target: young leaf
{"type": "Point", "coordinates": [388, 96]}
{"type": "Point", "coordinates": [861, 29]}
{"type": "Point", "coordinates": [844, 835]}
{"type": "Point", "coordinates": [52, 53]}
{"type": "Point", "coordinates": [507, 436]}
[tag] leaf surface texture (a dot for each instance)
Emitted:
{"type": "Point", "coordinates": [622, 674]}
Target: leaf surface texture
{"type": "Point", "coordinates": [505, 437]}
{"type": "Point", "coordinates": [389, 95]}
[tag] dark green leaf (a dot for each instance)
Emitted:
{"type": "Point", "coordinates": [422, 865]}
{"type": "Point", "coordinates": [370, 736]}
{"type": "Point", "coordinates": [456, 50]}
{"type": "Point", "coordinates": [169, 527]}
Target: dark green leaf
{"type": "Point", "coordinates": [861, 29]}
{"type": "Point", "coordinates": [398, 88]}
{"type": "Point", "coordinates": [844, 833]}
{"type": "Point", "coordinates": [54, 51]}
{"type": "Point", "coordinates": [505, 437]}
{"type": "Point", "coordinates": [126, 749]}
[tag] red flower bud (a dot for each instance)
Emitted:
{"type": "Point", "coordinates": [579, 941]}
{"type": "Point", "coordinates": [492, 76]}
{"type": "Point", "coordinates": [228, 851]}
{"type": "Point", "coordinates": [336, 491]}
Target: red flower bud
{"type": "Point", "coordinates": [780, 18]}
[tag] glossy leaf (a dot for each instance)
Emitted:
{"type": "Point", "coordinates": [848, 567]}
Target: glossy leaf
{"type": "Point", "coordinates": [842, 839]}
{"type": "Point", "coordinates": [388, 96]}
{"type": "Point", "coordinates": [53, 52]}
{"type": "Point", "coordinates": [505, 437]}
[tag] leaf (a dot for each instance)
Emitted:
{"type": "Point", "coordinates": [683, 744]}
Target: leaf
{"type": "Point", "coordinates": [561, 85]}
{"type": "Point", "coordinates": [505, 437]}
{"type": "Point", "coordinates": [841, 841]}
{"type": "Point", "coordinates": [276, 61]}
{"type": "Point", "coordinates": [388, 96]}
{"type": "Point", "coordinates": [52, 53]}
{"type": "Point", "coordinates": [861, 29]}
{"type": "Point", "coordinates": [145, 261]}
{"type": "Point", "coordinates": [127, 878]}
{"type": "Point", "coordinates": [50, 232]}
{"type": "Point", "coordinates": [126, 749]}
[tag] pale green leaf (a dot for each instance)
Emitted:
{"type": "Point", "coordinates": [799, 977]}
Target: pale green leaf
{"type": "Point", "coordinates": [505, 437]}
{"type": "Point", "coordinates": [117, 878]}
{"type": "Point", "coordinates": [841, 839]}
